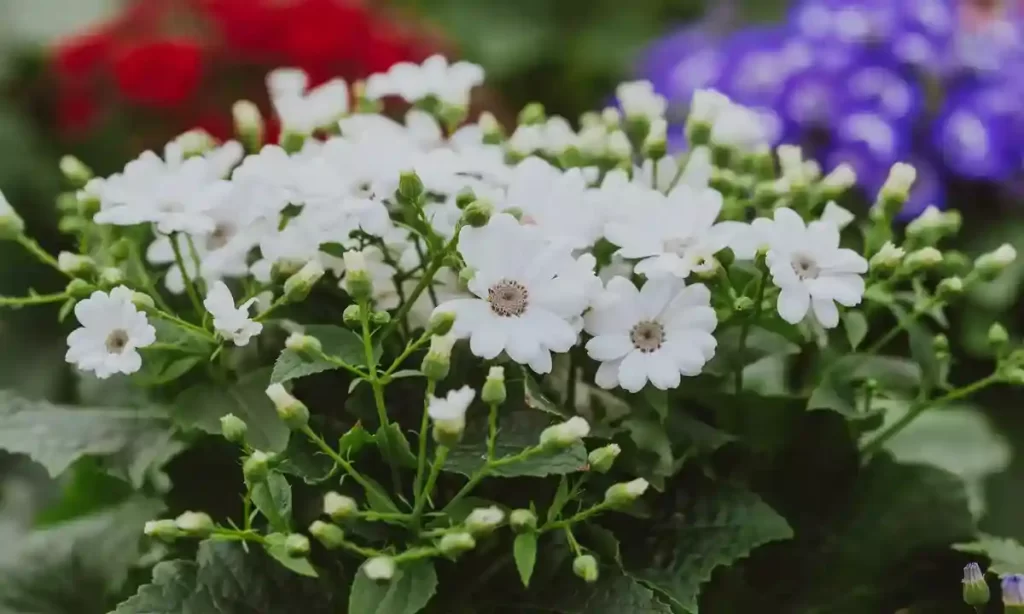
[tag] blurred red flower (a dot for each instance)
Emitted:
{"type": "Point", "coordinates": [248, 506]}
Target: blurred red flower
{"type": "Point", "coordinates": [161, 73]}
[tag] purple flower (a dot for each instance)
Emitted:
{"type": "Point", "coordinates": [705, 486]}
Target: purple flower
{"type": "Point", "coordinates": [1013, 589]}
{"type": "Point", "coordinates": [870, 143]}
{"type": "Point", "coordinates": [879, 84]}
{"type": "Point", "coordinates": [929, 189]}
{"type": "Point", "coordinates": [758, 61]}
{"type": "Point", "coordinates": [681, 63]}
{"type": "Point", "coordinates": [974, 133]}
{"type": "Point", "coordinates": [809, 99]}
{"type": "Point", "coordinates": [922, 32]}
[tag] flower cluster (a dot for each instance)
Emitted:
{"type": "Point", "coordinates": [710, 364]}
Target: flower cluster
{"type": "Point", "coordinates": [856, 81]}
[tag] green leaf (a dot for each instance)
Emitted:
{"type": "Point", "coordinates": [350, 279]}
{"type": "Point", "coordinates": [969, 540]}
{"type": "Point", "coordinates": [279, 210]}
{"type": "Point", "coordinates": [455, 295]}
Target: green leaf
{"type": "Point", "coordinates": [1006, 556]}
{"type": "Point", "coordinates": [760, 343]}
{"type": "Point", "coordinates": [560, 499]}
{"type": "Point", "coordinates": [719, 526]}
{"type": "Point", "coordinates": [81, 562]}
{"type": "Point", "coordinates": [657, 400]}
{"type": "Point", "coordinates": [613, 593]}
{"type": "Point", "coordinates": [132, 442]}
{"type": "Point", "coordinates": [524, 551]}
{"type": "Point", "coordinates": [603, 542]}
{"type": "Point", "coordinates": [333, 249]}
{"type": "Point", "coordinates": [517, 431]}
{"type": "Point", "coordinates": [305, 460]}
{"type": "Point", "coordinates": [407, 593]}
{"type": "Point", "coordinates": [275, 547]}
{"type": "Point", "coordinates": [856, 327]}
{"type": "Point", "coordinates": [336, 341]}
{"type": "Point", "coordinates": [170, 371]}
{"type": "Point", "coordinates": [922, 348]}
{"type": "Point", "coordinates": [535, 398]}
{"type": "Point", "coordinates": [202, 406]}
{"type": "Point", "coordinates": [836, 391]}
{"type": "Point", "coordinates": [378, 498]}
{"type": "Point", "coordinates": [354, 440]}
{"type": "Point", "coordinates": [173, 586]}
{"type": "Point", "coordinates": [650, 437]}
{"type": "Point", "coordinates": [273, 498]}
{"type": "Point", "coordinates": [394, 447]}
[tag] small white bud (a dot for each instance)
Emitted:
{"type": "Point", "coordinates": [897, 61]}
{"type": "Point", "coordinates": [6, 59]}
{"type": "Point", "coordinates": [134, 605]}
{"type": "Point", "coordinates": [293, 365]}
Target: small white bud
{"type": "Point", "coordinates": [923, 258]}
{"type": "Point", "coordinates": [625, 493]}
{"type": "Point", "coordinates": [437, 362]}
{"type": "Point", "coordinates": [791, 160]}
{"type": "Point", "coordinates": [455, 543]}
{"type": "Point", "coordinates": [565, 434]}
{"type": "Point", "coordinates": [601, 459]}
{"type": "Point", "coordinates": [75, 264]}
{"type": "Point", "coordinates": [901, 179]}
{"type": "Point", "coordinates": [379, 568]}
{"type": "Point", "coordinates": [75, 171]}
{"type": "Point", "coordinates": [297, 287]}
{"type": "Point", "coordinates": [841, 179]}
{"type": "Point", "coordinates": [619, 146]}
{"type": "Point", "coordinates": [991, 264]}
{"type": "Point", "coordinates": [11, 224]}
{"type": "Point", "coordinates": [162, 529]}
{"type": "Point", "coordinates": [197, 524]}
{"type": "Point", "coordinates": [706, 105]}
{"type": "Point", "coordinates": [889, 257]}
{"type": "Point", "coordinates": [493, 392]}
{"type": "Point", "coordinates": [483, 520]}
{"type": "Point", "coordinates": [303, 344]}
{"type": "Point", "coordinates": [611, 117]}
{"type": "Point", "coordinates": [338, 506]}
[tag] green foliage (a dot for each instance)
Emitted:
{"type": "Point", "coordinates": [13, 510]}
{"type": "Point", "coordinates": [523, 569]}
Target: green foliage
{"type": "Point", "coordinates": [615, 593]}
{"type": "Point", "coordinates": [524, 550]}
{"type": "Point", "coordinates": [407, 593]}
{"type": "Point", "coordinates": [335, 341]}
{"type": "Point", "coordinates": [273, 498]}
{"type": "Point", "coordinates": [519, 431]}
{"type": "Point", "coordinates": [1006, 556]}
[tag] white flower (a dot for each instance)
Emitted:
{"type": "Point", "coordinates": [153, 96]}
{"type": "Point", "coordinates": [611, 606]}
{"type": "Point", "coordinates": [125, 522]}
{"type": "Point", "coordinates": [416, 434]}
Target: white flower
{"type": "Point", "coordinates": [556, 202]}
{"type": "Point", "coordinates": [111, 333]}
{"type": "Point", "coordinates": [302, 113]}
{"type": "Point", "coordinates": [674, 234]}
{"type": "Point", "coordinates": [656, 334]}
{"type": "Point", "coordinates": [231, 322]}
{"type": "Point", "coordinates": [638, 99]}
{"type": "Point", "coordinates": [449, 83]}
{"type": "Point", "coordinates": [837, 215]}
{"type": "Point", "coordinates": [739, 127]}
{"type": "Point", "coordinates": [452, 407]}
{"type": "Point", "coordinates": [812, 271]}
{"type": "Point", "coordinates": [706, 106]}
{"type": "Point", "coordinates": [527, 291]}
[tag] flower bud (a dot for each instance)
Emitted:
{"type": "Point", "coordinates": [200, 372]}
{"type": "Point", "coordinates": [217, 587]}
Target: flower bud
{"type": "Point", "coordinates": [233, 428]}
{"type": "Point", "coordinates": [742, 304]}
{"type": "Point", "coordinates": [602, 459]}
{"type": "Point", "coordinates": [380, 318]}
{"type": "Point", "coordinates": [950, 287]}
{"type": "Point", "coordinates": [619, 147]}
{"type": "Point", "coordinates": [516, 212]}
{"type": "Point", "coordinates": [625, 493]}
{"type": "Point", "coordinates": [522, 521]}
{"type": "Point", "coordinates": [379, 568]}
{"type": "Point", "coordinates": [896, 190]}
{"type": "Point", "coordinates": [888, 258]}
{"type": "Point", "coordinates": [998, 337]}
{"type": "Point", "coordinates": [166, 530]}
{"type": "Point", "coordinates": [352, 316]}
{"type": "Point", "coordinates": [532, 113]}
{"type": "Point", "coordinates": [484, 520]}
{"type": "Point", "coordinates": [410, 186]}
{"type": "Point", "coordinates": [933, 224]}
{"type": "Point", "coordinates": [306, 346]}
{"type": "Point", "coordinates": [478, 213]}
{"type": "Point", "coordinates": [841, 179]}
{"type": "Point", "coordinates": [1013, 593]}
{"type": "Point", "coordinates": [75, 171]}
{"type": "Point", "coordinates": [466, 275]}
{"type": "Point", "coordinates": [490, 128]}
{"type": "Point", "coordinates": [331, 536]}
{"type": "Point", "coordinates": [437, 362]}
{"type": "Point", "coordinates": [975, 588]}
{"type": "Point", "coordinates": [357, 278]}
{"type": "Point", "coordinates": [992, 264]}
{"type": "Point", "coordinates": [493, 392]}
{"type": "Point", "coordinates": [297, 545]}
{"type": "Point", "coordinates": [298, 286]}
{"type": "Point", "coordinates": [142, 301]}
{"type": "Point", "coordinates": [448, 433]}
{"type": "Point", "coordinates": [195, 142]}
{"type": "Point", "coordinates": [79, 288]}
{"type": "Point", "coordinates": [940, 343]}
{"type": "Point", "coordinates": [1014, 376]}
{"type": "Point", "coordinates": [195, 524]}
{"type": "Point", "coordinates": [441, 322]}
{"type": "Point", "coordinates": [292, 141]}
{"type": "Point", "coordinates": [339, 507]}
{"type": "Point", "coordinates": [454, 544]}
{"type": "Point", "coordinates": [655, 144]}
{"type": "Point", "coordinates": [924, 258]}
{"type": "Point", "coordinates": [256, 467]}
{"type": "Point", "coordinates": [75, 265]}
{"type": "Point", "coordinates": [465, 198]}
{"type": "Point", "coordinates": [248, 125]}
{"type": "Point", "coordinates": [585, 566]}
{"type": "Point", "coordinates": [565, 434]}
{"type": "Point", "coordinates": [292, 411]}
{"type": "Point", "coordinates": [111, 277]}
{"type": "Point", "coordinates": [611, 117]}
{"type": "Point", "coordinates": [11, 224]}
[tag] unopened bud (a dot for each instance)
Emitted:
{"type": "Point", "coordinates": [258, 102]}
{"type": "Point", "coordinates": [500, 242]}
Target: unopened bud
{"type": "Point", "coordinates": [298, 286]}
{"type": "Point", "coordinates": [358, 283]}
{"type": "Point", "coordinates": [11, 224]}
{"type": "Point", "coordinates": [111, 277]}
{"type": "Point", "coordinates": [602, 459]}
{"type": "Point", "coordinates": [611, 117]}
{"type": "Point", "coordinates": [379, 568]}
{"type": "Point", "coordinates": [1013, 593]}
{"type": "Point", "coordinates": [380, 318]}
{"type": "Point", "coordinates": [742, 304]}
{"type": "Point", "coordinates": [306, 346]}
{"type": "Point", "coordinates": [993, 263]}
{"type": "Point", "coordinates": [998, 337]}
{"type": "Point", "coordinates": [79, 288]}
{"type": "Point", "coordinates": [565, 434]}
{"type": "Point", "coordinates": [195, 142]}
{"type": "Point", "coordinates": [410, 186]}
{"type": "Point", "coordinates": [441, 322]}
{"type": "Point", "coordinates": [837, 182]}
{"type": "Point", "coordinates": [516, 212]}
{"type": "Point", "coordinates": [975, 589]}
{"type": "Point", "coordinates": [494, 392]}
{"type": "Point", "coordinates": [465, 198]}
{"type": "Point", "coordinates": [352, 316]}
{"type": "Point", "coordinates": [453, 544]}
{"type": "Point", "coordinates": [248, 124]}
{"type": "Point", "coordinates": [75, 171]}
{"type": "Point", "coordinates": [292, 411]}
{"type": "Point", "coordinates": [195, 524]}
{"type": "Point", "coordinates": [297, 545]}
{"type": "Point", "coordinates": [466, 275]}
{"type": "Point", "coordinates": [940, 343]}
{"type": "Point", "coordinates": [655, 144]}
{"type": "Point", "coordinates": [924, 258]}
{"type": "Point", "coordinates": [142, 301]}
{"type": "Point", "coordinates": [339, 507]}
{"type": "Point", "coordinates": [438, 360]}
{"type": "Point", "coordinates": [490, 128]}
{"type": "Point", "coordinates": [1014, 376]}
{"type": "Point", "coordinates": [585, 566]}
{"type": "Point", "coordinates": [256, 467]}
{"type": "Point", "coordinates": [484, 520]}
{"type": "Point", "coordinates": [532, 113]}
{"type": "Point", "coordinates": [75, 265]}
{"type": "Point", "coordinates": [522, 521]}
{"type": "Point", "coordinates": [331, 536]}
{"type": "Point", "coordinates": [166, 530]}
{"type": "Point", "coordinates": [896, 190]}
{"type": "Point", "coordinates": [625, 493]}
{"type": "Point", "coordinates": [888, 258]}
{"type": "Point", "coordinates": [233, 428]}
{"type": "Point", "coordinates": [619, 147]}
{"type": "Point", "coordinates": [448, 432]}
{"type": "Point", "coordinates": [950, 287]}
{"type": "Point", "coordinates": [478, 213]}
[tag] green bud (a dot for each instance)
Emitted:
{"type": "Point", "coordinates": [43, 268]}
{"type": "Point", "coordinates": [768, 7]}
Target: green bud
{"type": "Point", "coordinates": [306, 346]}
{"type": "Point", "coordinates": [585, 566]}
{"type": "Point", "coordinates": [448, 433]}
{"type": "Point", "coordinates": [441, 322]}
{"type": "Point", "coordinates": [993, 263]}
{"type": "Point", "coordinates": [625, 493]}
{"type": "Point", "coordinates": [79, 288]}
{"type": "Point", "coordinates": [602, 459]}
{"type": "Point", "coordinates": [292, 411]}
{"type": "Point", "coordinates": [142, 301]}
{"type": "Point", "coordinates": [111, 277]}
{"type": "Point", "coordinates": [352, 316]}
{"type": "Point", "coordinates": [998, 337]}
{"type": "Point", "coordinates": [256, 467]}
{"type": "Point", "coordinates": [924, 258]}
{"type": "Point", "coordinates": [75, 171]}
{"type": "Point", "coordinates": [950, 287]}
{"type": "Point", "coordinates": [453, 544]}
{"type": "Point", "coordinates": [165, 530]}
{"type": "Point", "coordinates": [410, 186]}
{"type": "Point", "coordinates": [438, 360]}
{"type": "Point", "coordinates": [298, 286]}
{"type": "Point", "coordinates": [358, 283]}
{"type": "Point", "coordinates": [955, 263]}
{"type": "Point", "coordinates": [11, 224]}
{"type": "Point", "coordinates": [484, 520]}
{"type": "Point", "coordinates": [67, 202]}
{"type": "Point", "coordinates": [522, 521]}
{"type": "Point", "coordinates": [742, 303]}
{"type": "Point", "coordinates": [493, 392]}
{"type": "Point", "coordinates": [975, 589]}
{"type": "Point", "coordinates": [1014, 376]}
{"type": "Point", "coordinates": [292, 142]}
{"type": "Point", "coordinates": [282, 270]}
{"type": "Point", "coordinates": [940, 343]}
{"type": "Point", "coordinates": [478, 213]}
{"type": "Point", "coordinates": [67, 225]}
{"type": "Point", "coordinates": [233, 428]}
{"type": "Point", "coordinates": [896, 190]}
{"type": "Point", "coordinates": [297, 545]}
{"type": "Point", "coordinates": [466, 275]}
{"type": "Point", "coordinates": [331, 536]}
{"type": "Point", "coordinates": [465, 198]}
{"type": "Point", "coordinates": [565, 434]}
{"type": "Point", "coordinates": [249, 125]}
{"type": "Point", "coordinates": [195, 524]}
{"type": "Point", "coordinates": [532, 113]}
{"type": "Point", "coordinates": [380, 317]}
{"type": "Point", "coordinates": [86, 205]}
{"type": "Point", "coordinates": [339, 507]}
{"type": "Point", "coordinates": [515, 212]}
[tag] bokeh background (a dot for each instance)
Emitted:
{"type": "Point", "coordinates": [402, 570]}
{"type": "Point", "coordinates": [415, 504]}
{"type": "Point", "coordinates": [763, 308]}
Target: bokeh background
{"type": "Point", "coordinates": [869, 82]}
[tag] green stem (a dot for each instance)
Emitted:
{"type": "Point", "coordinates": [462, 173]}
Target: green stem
{"type": "Point", "coordinates": [492, 432]}
{"type": "Point", "coordinates": [374, 379]}
{"type": "Point", "coordinates": [435, 470]}
{"type": "Point", "coordinates": [337, 458]}
{"type": "Point", "coordinates": [233, 535]}
{"type": "Point", "coordinates": [163, 315]}
{"type": "Point", "coordinates": [409, 349]}
{"type": "Point", "coordinates": [579, 517]}
{"type": "Point", "coordinates": [888, 433]}
{"type": "Point", "coordinates": [41, 254]}
{"type": "Point", "coordinates": [421, 457]}
{"type": "Point", "coordinates": [194, 253]}
{"type": "Point", "coordinates": [334, 360]}
{"type": "Point", "coordinates": [747, 323]}
{"type": "Point", "coordinates": [39, 299]}
{"type": "Point", "coordinates": [190, 287]}
{"type": "Point", "coordinates": [425, 281]}
{"type": "Point", "coordinates": [482, 472]}
{"type": "Point", "coordinates": [147, 281]}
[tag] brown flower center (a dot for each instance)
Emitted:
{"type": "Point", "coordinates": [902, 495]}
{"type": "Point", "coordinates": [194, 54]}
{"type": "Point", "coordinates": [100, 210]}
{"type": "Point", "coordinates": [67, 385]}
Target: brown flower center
{"type": "Point", "coordinates": [116, 341]}
{"type": "Point", "coordinates": [805, 267]}
{"type": "Point", "coordinates": [647, 336]}
{"type": "Point", "coordinates": [508, 298]}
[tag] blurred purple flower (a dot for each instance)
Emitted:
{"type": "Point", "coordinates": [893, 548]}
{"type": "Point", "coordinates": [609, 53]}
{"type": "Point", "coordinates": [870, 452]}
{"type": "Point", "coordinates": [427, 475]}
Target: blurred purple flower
{"type": "Point", "coordinates": [974, 133]}
{"type": "Point", "coordinates": [870, 143]}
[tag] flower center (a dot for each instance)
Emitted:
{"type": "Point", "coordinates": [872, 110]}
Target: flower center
{"type": "Point", "coordinates": [647, 336]}
{"type": "Point", "coordinates": [508, 298]}
{"type": "Point", "coordinates": [117, 340]}
{"type": "Point", "coordinates": [805, 267]}
{"type": "Point", "coordinates": [220, 236]}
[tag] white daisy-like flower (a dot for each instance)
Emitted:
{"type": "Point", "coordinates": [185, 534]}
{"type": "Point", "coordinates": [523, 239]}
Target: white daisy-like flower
{"type": "Point", "coordinates": [453, 406]}
{"type": "Point", "coordinates": [527, 291]}
{"type": "Point", "coordinates": [112, 331]}
{"type": "Point", "coordinates": [231, 322]}
{"type": "Point", "coordinates": [812, 271]}
{"type": "Point", "coordinates": [304, 113]}
{"type": "Point", "coordinates": [658, 333]}
{"type": "Point", "coordinates": [555, 202]}
{"type": "Point", "coordinates": [638, 99]}
{"type": "Point", "coordinates": [449, 83]}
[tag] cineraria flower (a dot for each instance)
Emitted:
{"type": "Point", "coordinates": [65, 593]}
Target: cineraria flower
{"type": "Point", "coordinates": [231, 322]}
{"type": "Point", "coordinates": [112, 331]}
{"type": "Point", "coordinates": [812, 271]}
{"type": "Point", "coordinates": [302, 113]}
{"type": "Point", "coordinates": [554, 201]}
{"type": "Point", "coordinates": [656, 334]}
{"type": "Point", "coordinates": [638, 99]}
{"type": "Point", "coordinates": [527, 292]}
{"type": "Point", "coordinates": [453, 407]}
{"type": "Point", "coordinates": [450, 83]}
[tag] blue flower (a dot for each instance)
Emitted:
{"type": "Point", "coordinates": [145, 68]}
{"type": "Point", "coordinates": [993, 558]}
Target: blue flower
{"type": "Point", "coordinates": [1013, 589]}
{"type": "Point", "coordinates": [973, 133]}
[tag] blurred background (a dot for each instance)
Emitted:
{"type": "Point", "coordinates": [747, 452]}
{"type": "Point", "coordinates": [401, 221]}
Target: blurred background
{"type": "Point", "coordinates": [868, 82]}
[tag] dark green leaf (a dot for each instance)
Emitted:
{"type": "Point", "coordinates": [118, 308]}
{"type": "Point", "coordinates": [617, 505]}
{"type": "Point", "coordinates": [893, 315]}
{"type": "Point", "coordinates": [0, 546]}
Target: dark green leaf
{"type": "Point", "coordinates": [336, 341]}
{"type": "Point", "coordinates": [720, 525]}
{"type": "Point", "coordinates": [536, 399]}
{"type": "Point", "coordinates": [922, 349]}
{"type": "Point", "coordinates": [760, 343]}
{"type": "Point", "coordinates": [407, 593]}
{"type": "Point", "coordinates": [657, 400]}
{"type": "Point", "coordinates": [651, 437]}
{"type": "Point", "coordinates": [524, 551]}
{"type": "Point", "coordinates": [65, 309]}
{"type": "Point", "coordinates": [603, 542]}
{"type": "Point", "coordinates": [837, 389]}
{"type": "Point", "coordinates": [333, 249]}
{"type": "Point", "coordinates": [275, 547]}
{"type": "Point", "coordinates": [354, 440]}
{"type": "Point", "coordinates": [613, 593]}
{"type": "Point", "coordinates": [517, 431]}
{"type": "Point", "coordinates": [560, 499]}
{"type": "Point", "coordinates": [172, 370]}
{"type": "Point", "coordinates": [304, 459]}
{"type": "Point", "coordinates": [394, 447]}
{"type": "Point", "coordinates": [856, 327]}
{"type": "Point", "coordinates": [692, 437]}
{"type": "Point", "coordinates": [1006, 556]}
{"type": "Point", "coordinates": [173, 586]}
{"type": "Point", "coordinates": [273, 498]}
{"type": "Point", "coordinates": [378, 498]}
{"type": "Point", "coordinates": [202, 406]}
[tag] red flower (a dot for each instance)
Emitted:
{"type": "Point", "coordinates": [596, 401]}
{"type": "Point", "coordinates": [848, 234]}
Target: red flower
{"type": "Point", "coordinates": [77, 58]}
{"type": "Point", "coordinates": [161, 73]}
{"type": "Point", "coordinates": [315, 32]}
{"type": "Point", "coordinates": [248, 26]}
{"type": "Point", "coordinates": [76, 110]}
